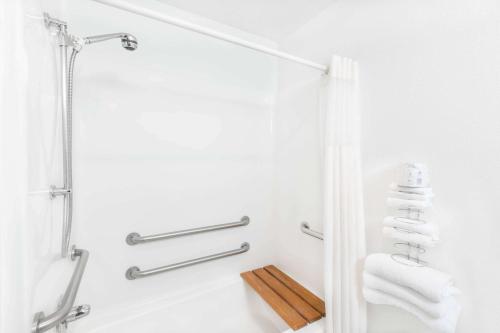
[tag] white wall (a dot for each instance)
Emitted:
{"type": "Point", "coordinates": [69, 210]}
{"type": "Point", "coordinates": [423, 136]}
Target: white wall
{"type": "Point", "coordinates": [174, 135]}
{"type": "Point", "coordinates": [297, 174]}
{"type": "Point", "coordinates": [430, 79]}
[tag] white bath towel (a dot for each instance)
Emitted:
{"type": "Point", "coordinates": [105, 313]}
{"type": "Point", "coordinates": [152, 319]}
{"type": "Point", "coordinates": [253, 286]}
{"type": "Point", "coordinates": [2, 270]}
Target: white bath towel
{"type": "Point", "coordinates": [427, 281]}
{"type": "Point", "coordinates": [446, 324]}
{"type": "Point", "coordinates": [432, 309]}
{"type": "Point", "coordinates": [420, 227]}
{"type": "Point", "coordinates": [405, 203]}
{"type": "Point", "coordinates": [409, 237]}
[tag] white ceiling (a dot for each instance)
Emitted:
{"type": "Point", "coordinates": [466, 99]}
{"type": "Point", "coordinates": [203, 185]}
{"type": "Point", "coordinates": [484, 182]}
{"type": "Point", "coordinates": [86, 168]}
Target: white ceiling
{"type": "Point", "coordinates": [273, 19]}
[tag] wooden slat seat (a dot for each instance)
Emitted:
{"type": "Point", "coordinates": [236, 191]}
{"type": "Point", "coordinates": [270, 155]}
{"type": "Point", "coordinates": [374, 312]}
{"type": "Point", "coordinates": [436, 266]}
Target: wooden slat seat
{"type": "Point", "coordinates": [291, 301]}
{"type": "Point", "coordinates": [285, 310]}
{"type": "Point", "coordinates": [299, 289]}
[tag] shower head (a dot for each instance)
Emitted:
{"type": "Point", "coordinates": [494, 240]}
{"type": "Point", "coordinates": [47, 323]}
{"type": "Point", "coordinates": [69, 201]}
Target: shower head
{"type": "Point", "coordinates": [129, 42]}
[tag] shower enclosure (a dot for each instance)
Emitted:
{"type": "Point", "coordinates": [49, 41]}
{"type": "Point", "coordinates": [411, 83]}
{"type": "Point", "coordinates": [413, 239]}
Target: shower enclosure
{"type": "Point", "coordinates": [174, 142]}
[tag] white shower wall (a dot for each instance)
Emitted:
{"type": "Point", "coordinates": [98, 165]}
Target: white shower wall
{"type": "Point", "coordinates": [298, 188]}
{"type": "Point", "coordinates": [174, 135]}
{"type": "Point", "coordinates": [181, 133]}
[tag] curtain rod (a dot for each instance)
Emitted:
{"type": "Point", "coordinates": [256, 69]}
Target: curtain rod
{"type": "Point", "coordinates": [208, 32]}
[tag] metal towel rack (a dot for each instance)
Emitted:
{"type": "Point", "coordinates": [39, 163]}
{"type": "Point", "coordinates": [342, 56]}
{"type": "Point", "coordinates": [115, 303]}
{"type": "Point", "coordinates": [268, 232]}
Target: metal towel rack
{"type": "Point", "coordinates": [304, 226]}
{"type": "Point", "coordinates": [135, 238]}
{"type": "Point", "coordinates": [42, 323]}
{"type": "Point", "coordinates": [135, 273]}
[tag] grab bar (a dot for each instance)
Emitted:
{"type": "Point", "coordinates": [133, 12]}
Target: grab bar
{"type": "Point", "coordinates": [42, 323]}
{"type": "Point", "coordinates": [304, 226]}
{"type": "Point", "coordinates": [135, 238]}
{"type": "Point", "coordinates": [135, 273]}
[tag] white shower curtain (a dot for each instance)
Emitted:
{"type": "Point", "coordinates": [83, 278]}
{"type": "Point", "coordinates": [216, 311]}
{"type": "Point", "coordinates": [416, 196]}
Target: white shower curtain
{"type": "Point", "coordinates": [28, 113]}
{"type": "Point", "coordinates": [344, 225]}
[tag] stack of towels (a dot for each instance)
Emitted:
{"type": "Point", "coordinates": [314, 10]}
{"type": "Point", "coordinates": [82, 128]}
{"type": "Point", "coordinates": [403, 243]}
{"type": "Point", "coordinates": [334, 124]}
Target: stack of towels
{"type": "Point", "coordinates": [427, 293]}
{"type": "Point", "coordinates": [410, 228]}
{"type": "Point", "coordinates": [423, 291]}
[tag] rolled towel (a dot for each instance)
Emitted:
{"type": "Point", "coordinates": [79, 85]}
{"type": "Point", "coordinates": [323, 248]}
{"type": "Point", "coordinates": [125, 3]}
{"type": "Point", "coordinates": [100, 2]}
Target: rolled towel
{"type": "Point", "coordinates": [410, 196]}
{"type": "Point", "coordinates": [427, 281]}
{"type": "Point", "coordinates": [405, 203]}
{"type": "Point", "coordinates": [414, 190]}
{"type": "Point", "coordinates": [420, 227]}
{"type": "Point", "coordinates": [432, 309]}
{"type": "Point", "coordinates": [409, 237]}
{"type": "Point", "coordinates": [446, 324]}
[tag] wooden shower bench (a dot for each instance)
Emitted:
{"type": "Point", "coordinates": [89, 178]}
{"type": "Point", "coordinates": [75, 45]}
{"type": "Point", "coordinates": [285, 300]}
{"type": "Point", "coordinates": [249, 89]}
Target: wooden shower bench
{"type": "Point", "coordinates": [291, 301]}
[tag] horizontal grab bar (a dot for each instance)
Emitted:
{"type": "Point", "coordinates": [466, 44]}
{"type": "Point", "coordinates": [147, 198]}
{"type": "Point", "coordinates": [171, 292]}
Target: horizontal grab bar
{"type": "Point", "coordinates": [43, 323]}
{"type": "Point", "coordinates": [135, 273]}
{"type": "Point", "coordinates": [135, 238]}
{"type": "Point", "coordinates": [304, 226]}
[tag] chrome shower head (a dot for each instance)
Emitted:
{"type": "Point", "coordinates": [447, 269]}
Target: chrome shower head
{"type": "Point", "coordinates": [129, 42]}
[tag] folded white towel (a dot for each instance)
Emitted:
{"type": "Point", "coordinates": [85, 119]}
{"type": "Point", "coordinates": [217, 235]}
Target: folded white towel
{"type": "Point", "coordinates": [409, 237]}
{"type": "Point", "coordinates": [427, 281]}
{"type": "Point", "coordinates": [415, 190]}
{"type": "Point", "coordinates": [410, 196]}
{"type": "Point", "coordinates": [432, 309]}
{"type": "Point", "coordinates": [420, 227]}
{"type": "Point", "coordinates": [405, 203]}
{"type": "Point", "coordinates": [446, 324]}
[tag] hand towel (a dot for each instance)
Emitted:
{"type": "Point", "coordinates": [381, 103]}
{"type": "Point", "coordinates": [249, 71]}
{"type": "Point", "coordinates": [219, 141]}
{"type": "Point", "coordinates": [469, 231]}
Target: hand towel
{"type": "Point", "coordinates": [405, 203]}
{"type": "Point", "coordinates": [446, 324]}
{"type": "Point", "coordinates": [409, 237]}
{"type": "Point", "coordinates": [432, 309]}
{"type": "Point", "coordinates": [417, 226]}
{"type": "Point", "coordinates": [427, 281]}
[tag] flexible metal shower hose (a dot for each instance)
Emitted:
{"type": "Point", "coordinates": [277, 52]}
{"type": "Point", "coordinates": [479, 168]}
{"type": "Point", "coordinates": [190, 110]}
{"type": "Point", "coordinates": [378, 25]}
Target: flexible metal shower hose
{"type": "Point", "coordinates": [68, 202]}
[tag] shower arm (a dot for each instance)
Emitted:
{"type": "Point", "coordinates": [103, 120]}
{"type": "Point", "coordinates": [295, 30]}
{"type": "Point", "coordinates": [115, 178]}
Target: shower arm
{"type": "Point", "coordinates": [102, 38]}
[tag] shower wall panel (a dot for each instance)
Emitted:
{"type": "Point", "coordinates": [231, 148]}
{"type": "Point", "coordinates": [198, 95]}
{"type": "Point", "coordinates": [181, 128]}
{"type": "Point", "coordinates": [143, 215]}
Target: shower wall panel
{"type": "Point", "coordinates": [174, 135]}
{"type": "Point", "coordinates": [297, 129]}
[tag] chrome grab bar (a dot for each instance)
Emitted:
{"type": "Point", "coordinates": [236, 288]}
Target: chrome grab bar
{"type": "Point", "coordinates": [135, 273]}
{"type": "Point", "coordinates": [304, 226]}
{"type": "Point", "coordinates": [42, 323]}
{"type": "Point", "coordinates": [135, 238]}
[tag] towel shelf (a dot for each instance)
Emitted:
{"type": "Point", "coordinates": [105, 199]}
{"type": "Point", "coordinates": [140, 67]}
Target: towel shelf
{"type": "Point", "coordinates": [409, 215]}
{"type": "Point", "coordinates": [304, 226]}
{"type": "Point", "coordinates": [135, 273]}
{"type": "Point", "coordinates": [135, 238]}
